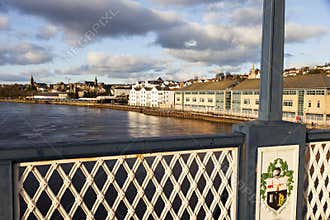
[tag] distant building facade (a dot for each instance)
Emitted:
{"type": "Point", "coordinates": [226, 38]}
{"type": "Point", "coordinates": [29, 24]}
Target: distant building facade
{"type": "Point", "coordinates": [205, 97]}
{"type": "Point", "coordinates": [121, 90]}
{"type": "Point", "coordinates": [306, 98]}
{"type": "Point", "coordinates": [151, 95]}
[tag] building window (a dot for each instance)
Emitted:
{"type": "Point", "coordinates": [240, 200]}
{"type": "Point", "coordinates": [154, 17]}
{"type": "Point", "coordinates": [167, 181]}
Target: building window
{"type": "Point", "coordinates": [247, 111]}
{"type": "Point", "coordinates": [309, 104]}
{"type": "Point", "coordinates": [246, 101]}
{"type": "Point", "coordinates": [178, 99]}
{"type": "Point", "coordinates": [289, 115]}
{"type": "Point", "coordinates": [314, 117]}
{"type": "Point", "coordinates": [288, 103]}
{"type": "Point", "coordinates": [315, 92]}
{"type": "Point", "coordinates": [201, 100]}
{"type": "Point", "coordinates": [210, 100]}
{"type": "Point", "coordinates": [247, 93]}
{"type": "Point", "coordinates": [187, 99]}
{"type": "Point", "coordinates": [257, 102]}
{"type": "Point", "coordinates": [289, 92]}
{"type": "Point", "coordinates": [194, 100]}
{"type": "Point", "coordinates": [318, 104]}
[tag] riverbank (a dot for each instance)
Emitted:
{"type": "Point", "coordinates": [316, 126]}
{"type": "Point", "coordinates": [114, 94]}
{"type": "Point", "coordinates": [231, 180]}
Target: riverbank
{"type": "Point", "coordinates": [145, 110]}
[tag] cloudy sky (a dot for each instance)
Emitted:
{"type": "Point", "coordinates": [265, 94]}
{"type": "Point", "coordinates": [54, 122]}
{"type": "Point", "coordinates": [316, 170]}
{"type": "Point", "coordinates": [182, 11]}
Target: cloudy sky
{"type": "Point", "coordinates": [124, 40]}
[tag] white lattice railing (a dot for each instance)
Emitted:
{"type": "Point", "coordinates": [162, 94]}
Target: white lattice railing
{"type": "Point", "coordinates": [317, 186]}
{"type": "Point", "coordinates": [176, 185]}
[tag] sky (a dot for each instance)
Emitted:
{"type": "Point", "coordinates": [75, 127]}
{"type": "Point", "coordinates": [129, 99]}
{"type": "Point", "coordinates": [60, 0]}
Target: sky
{"type": "Point", "coordinates": [121, 41]}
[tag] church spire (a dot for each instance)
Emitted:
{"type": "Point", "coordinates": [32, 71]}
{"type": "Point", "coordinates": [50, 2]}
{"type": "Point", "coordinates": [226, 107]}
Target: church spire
{"type": "Point", "coordinates": [31, 81]}
{"type": "Point", "coordinates": [95, 81]}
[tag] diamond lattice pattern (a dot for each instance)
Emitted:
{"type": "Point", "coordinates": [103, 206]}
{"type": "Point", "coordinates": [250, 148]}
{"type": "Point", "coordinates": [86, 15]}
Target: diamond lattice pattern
{"type": "Point", "coordinates": [317, 176]}
{"type": "Point", "coordinates": [178, 185]}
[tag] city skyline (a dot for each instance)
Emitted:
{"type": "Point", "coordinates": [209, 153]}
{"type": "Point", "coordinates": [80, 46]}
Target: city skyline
{"type": "Point", "coordinates": [124, 41]}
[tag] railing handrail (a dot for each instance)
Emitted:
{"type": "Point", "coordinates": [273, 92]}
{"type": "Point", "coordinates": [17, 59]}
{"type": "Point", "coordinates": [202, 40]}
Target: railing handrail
{"type": "Point", "coordinates": [318, 135]}
{"type": "Point", "coordinates": [118, 147]}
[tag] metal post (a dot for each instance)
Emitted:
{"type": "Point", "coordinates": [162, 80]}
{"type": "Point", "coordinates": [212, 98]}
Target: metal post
{"type": "Point", "coordinates": [269, 132]}
{"type": "Point", "coordinates": [6, 191]}
{"type": "Point", "coordinates": [272, 61]}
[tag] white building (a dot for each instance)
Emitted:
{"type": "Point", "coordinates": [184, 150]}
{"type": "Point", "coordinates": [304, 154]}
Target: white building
{"type": "Point", "coordinates": [152, 96]}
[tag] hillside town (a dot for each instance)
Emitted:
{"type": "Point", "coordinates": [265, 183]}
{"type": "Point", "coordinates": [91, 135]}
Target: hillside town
{"type": "Point", "coordinates": [306, 96]}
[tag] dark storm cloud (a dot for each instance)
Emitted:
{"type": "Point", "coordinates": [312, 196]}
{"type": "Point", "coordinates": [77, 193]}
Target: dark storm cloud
{"type": "Point", "coordinates": [192, 2]}
{"type": "Point", "coordinates": [230, 43]}
{"type": "Point", "coordinates": [78, 16]}
{"type": "Point", "coordinates": [193, 36]}
{"type": "Point", "coordinates": [24, 54]}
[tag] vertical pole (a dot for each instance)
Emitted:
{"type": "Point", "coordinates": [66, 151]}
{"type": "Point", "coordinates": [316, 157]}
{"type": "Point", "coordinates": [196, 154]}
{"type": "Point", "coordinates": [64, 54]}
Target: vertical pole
{"type": "Point", "coordinates": [272, 61]}
{"type": "Point", "coordinates": [6, 191]}
{"type": "Point", "coordinates": [270, 133]}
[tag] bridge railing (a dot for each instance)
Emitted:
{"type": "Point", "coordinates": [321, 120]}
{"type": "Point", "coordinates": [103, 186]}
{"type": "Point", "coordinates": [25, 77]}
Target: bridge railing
{"type": "Point", "coordinates": [317, 175]}
{"type": "Point", "coordinates": [158, 178]}
{"type": "Point", "coordinates": [172, 178]}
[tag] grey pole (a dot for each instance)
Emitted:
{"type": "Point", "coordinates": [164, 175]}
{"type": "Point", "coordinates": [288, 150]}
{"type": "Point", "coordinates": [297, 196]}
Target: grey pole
{"type": "Point", "coordinates": [6, 191]}
{"type": "Point", "coordinates": [269, 130]}
{"type": "Point", "coordinates": [271, 85]}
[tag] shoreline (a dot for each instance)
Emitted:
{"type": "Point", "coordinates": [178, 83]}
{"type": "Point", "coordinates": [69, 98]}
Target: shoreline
{"type": "Point", "coordinates": [144, 110]}
{"type": "Point", "coordinates": [158, 112]}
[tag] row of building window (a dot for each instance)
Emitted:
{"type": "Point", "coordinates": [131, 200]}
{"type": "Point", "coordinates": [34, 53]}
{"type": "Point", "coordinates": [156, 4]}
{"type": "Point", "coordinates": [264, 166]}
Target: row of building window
{"type": "Point", "coordinates": [285, 92]}
{"type": "Point", "coordinates": [289, 92]}
{"type": "Point", "coordinates": [201, 93]}
{"type": "Point", "coordinates": [315, 92]}
{"type": "Point", "coordinates": [318, 104]}
{"type": "Point", "coordinates": [210, 100]}
{"type": "Point", "coordinates": [288, 103]}
{"type": "Point", "coordinates": [248, 101]}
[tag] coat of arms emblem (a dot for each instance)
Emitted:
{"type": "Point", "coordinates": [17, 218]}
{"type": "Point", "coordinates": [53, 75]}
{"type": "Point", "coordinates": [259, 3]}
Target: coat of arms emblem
{"type": "Point", "coordinates": [276, 185]}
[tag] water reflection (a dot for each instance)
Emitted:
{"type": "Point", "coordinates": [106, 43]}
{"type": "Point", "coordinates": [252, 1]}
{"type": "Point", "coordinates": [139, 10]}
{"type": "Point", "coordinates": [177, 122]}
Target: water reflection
{"type": "Point", "coordinates": [23, 124]}
{"type": "Point", "coordinates": [144, 125]}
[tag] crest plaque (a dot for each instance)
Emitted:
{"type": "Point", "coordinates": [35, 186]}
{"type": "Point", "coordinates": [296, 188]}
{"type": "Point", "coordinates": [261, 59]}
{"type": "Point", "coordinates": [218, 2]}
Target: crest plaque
{"type": "Point", "coordinates": [277, 182]}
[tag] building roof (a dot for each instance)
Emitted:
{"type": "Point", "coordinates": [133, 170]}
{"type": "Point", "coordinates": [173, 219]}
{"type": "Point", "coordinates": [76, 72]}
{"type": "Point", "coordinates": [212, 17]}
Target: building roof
{"type": "Point", "coordinates": [309, 81]}
{"type": "Point", "coordinates": [163, 88]}
{"type": "Point", "coordinates": [248, 84]}
{"type": "Point", "coordinates": [221, 85]}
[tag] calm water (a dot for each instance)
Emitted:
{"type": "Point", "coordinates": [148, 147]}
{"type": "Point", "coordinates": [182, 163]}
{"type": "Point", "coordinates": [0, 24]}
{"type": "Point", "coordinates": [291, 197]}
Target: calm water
{"type": "Point", "coordinates": [26, 124]}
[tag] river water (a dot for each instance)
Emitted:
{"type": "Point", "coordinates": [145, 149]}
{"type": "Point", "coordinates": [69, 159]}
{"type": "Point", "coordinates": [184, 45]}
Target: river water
{"type": "Point", "coordinates": [28, 124]}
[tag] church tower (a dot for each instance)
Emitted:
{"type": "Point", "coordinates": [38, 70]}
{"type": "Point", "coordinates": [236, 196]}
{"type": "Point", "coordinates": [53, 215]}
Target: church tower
{"type": "Point", "coordinates": [95, 81]}
{"type": "Point", "coordinates": [32, 82]}
{"type": "Point", "coordinates": [253, 73]}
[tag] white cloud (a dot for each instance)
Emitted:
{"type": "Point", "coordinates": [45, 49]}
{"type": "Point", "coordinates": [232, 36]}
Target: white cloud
{"type": "Point", "coordinates": [48, 31]}
{"type": "Point", "coordinates": [4, 22]}
{"type": "Point", "coordinates": [24, 54]}
{"type": "Point", "coordinates": [297, 33]}
{"type": "Point", "coordinates": [118, 66]}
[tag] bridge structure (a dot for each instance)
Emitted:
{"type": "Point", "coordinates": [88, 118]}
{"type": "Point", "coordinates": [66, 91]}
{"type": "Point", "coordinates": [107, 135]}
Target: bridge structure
{"type": "Point", "coordinates": [266, 169]}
